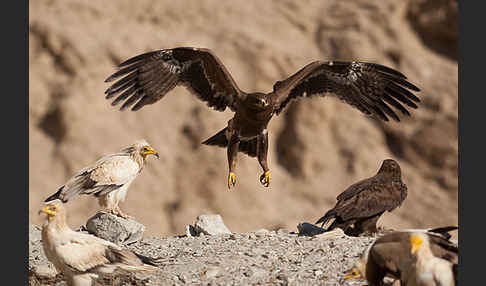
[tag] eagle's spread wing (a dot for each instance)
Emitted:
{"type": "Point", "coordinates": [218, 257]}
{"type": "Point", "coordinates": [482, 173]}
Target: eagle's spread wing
{"type": "Point", "coordinates": [369, 87]}
{"type": "Point", "coordinates": [146, 78]}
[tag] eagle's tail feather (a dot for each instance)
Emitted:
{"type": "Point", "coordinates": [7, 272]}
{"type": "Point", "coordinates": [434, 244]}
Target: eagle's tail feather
{"type": "Point", "coordinates": [248, 147]}
{"type": "Point", "coordinates": [328, 216]}
{"type": "Point", "coordinates": [56, 196]}
{"type": "Point", "coordinates": [218, 140]}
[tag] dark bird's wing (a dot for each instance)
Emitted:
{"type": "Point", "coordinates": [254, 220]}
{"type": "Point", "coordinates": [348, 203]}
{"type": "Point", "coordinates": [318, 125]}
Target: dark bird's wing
{"type": "Point", "coordinates": [443, 231]}
{"type": "Point", "coordinates": [146, 78]}
{"type": "Point", "coordinates": [444, 248]}
{"type": "Point", "coordinates": [369, 87]}
{"type": "Point", "coordinates": [384, 260]}
{"type": "Point", "coordinates": [358, 187]}
{"type": "Point", "coordinates": [373, 199]}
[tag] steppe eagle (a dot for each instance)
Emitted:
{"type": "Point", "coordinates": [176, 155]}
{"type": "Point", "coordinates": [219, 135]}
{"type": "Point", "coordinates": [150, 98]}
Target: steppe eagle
{"type": "Point", "coordinates": [362, 203]}
{"type": "Point", "coordinates": [146, 78]}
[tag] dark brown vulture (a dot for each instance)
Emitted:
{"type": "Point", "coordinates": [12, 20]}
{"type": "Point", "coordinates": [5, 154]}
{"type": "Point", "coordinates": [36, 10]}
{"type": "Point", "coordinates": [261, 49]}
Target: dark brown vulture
{"type": "Point", "coordinates": [415, 257]}
{"type": "Point", "coordinates": [144, 79]}
{"type": "Point", "coordinates": [362, 203]}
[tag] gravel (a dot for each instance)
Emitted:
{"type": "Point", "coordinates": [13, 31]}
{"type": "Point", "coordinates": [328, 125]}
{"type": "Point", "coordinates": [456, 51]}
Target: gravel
{"type": "Point", "coordinates": [263, 257]}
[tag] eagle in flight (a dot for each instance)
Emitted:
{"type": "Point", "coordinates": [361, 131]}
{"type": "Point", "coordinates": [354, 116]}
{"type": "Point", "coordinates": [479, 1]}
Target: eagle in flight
{"type": "Point", "coordinates": [144, 79]}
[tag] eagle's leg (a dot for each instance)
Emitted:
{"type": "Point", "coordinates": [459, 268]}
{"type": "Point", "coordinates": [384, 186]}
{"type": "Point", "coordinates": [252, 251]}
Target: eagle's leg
{"type": "Point", "coordinates": [232, 150]}
{"type": "Point", "coordinates": [262, 150]}
{"type": "Point", "coordinates": [368, 226]}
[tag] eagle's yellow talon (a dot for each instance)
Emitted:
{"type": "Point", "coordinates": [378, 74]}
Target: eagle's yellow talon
{"type": "Point", "coordinates": [265, 179]}
{"type": "Point", "coordinates": [231, 179]}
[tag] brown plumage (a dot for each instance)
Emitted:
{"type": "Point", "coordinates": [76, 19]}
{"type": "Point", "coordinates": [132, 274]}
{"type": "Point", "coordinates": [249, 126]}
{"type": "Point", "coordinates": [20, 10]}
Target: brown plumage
{"type": "Point", "coordinates": [371, 88]}
{"type": "Point", "coordinates": [362, 203]}
{"type": "Point", "coordinates": [415, 257]}
{"type": "Point", "coordinates": [81, 256]}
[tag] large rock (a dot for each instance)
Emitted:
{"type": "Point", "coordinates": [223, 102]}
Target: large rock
{"type": "Point", "coordinates": [115, 229]}
{"type": "Point", "coordinates": [211, 224]}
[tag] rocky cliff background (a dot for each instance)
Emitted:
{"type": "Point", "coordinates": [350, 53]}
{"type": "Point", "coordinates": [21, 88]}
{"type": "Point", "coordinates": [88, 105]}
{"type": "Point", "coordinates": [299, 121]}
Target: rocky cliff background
{"type": "Point", "coordinates": [317, 147]}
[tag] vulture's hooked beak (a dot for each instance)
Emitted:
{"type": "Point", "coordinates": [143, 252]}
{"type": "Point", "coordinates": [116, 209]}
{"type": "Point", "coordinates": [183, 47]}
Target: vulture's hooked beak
{"type": "Point", "coordinates": [150, 151]}
{"type": "Point", "coordinates": [352, 274]}
{"type": "Point", "coordinates": [49, 210]}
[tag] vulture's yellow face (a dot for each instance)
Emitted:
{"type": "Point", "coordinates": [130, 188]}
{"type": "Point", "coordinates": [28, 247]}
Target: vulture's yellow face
{"type": "Point", "coordinates": [353, 273]}
{"type": "Point", "coordinates": [415, 242]}
{"type": "Point", "coordinates": [148, 150]}
{"type": "Point", "coordinates": [51, 211]}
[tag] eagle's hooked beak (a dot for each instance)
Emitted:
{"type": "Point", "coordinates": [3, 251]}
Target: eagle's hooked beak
{"type": "Point", "coordinates": [265, 102]}
{"type": "Point", "coordinates": [147, 150]}
{"type": "Point", "coordinates": [416, 243]}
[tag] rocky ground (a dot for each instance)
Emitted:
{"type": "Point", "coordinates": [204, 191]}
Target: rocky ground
{"type": "Point", "coordinates": [261, 257]}
{"type": "Point", "coordinates": [317, 148]}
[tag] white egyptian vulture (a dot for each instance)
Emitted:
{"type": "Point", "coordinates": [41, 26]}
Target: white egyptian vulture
{"type": "Point", "coordinates": [81, 256]}
{"type": "Point", "coordinates": [109, 178]}
{"type": "Point", "coordinates": [397, 255]}
{"type": "Point", "coordinates": [429, 267]}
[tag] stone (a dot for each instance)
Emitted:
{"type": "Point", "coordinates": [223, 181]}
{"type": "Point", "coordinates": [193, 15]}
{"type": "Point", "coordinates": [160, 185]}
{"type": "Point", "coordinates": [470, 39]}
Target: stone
{"type": "Point", "coordinates": [211, 224]}
{"type": "Point", "coordinates": [262, 232]}
{"type": "Point", "coordinates": [212, 272]}
{"type": "Point", "coordinates": [308, 229]}
{"type": "Point", "coordinates": [45, 270]}
{"type": "Point", "coordinates": [115, 229]}
{"type": "Point", "coordinates": [333, 234]}
{"type": "Point", "coordinates": [190, 231]}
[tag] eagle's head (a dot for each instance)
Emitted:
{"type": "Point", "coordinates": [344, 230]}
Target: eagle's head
{"type": "Point", "coordinates": [258, 100]}
{"type": "Point", "coordinates": [391, 168]}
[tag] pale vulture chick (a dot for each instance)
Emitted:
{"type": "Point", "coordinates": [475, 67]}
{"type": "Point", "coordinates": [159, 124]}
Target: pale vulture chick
{"type": "Point", "coordinates": [109, 178]}
{"type": "Point", "coordinates": [410, 256]}
{"type": "Point", "coordinates": [81, 256]}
